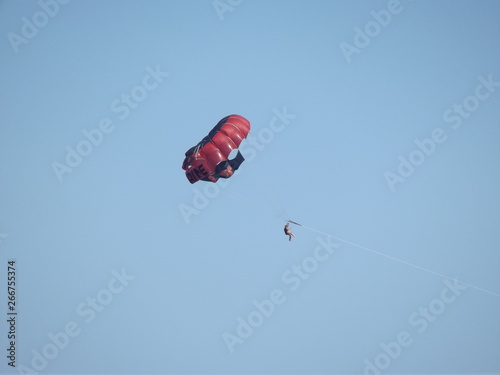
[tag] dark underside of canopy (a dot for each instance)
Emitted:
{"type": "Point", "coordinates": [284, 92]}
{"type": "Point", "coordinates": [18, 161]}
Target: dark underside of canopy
{"type": "Point", "coordinates": [234, 163]}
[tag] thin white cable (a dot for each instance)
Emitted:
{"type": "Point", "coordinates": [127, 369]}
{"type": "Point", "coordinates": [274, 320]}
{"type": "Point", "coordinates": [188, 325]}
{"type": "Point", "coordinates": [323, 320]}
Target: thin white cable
{"type": "Point", "coordinates": [404, 262]}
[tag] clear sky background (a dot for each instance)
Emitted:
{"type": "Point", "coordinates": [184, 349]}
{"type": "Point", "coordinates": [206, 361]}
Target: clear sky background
{"type": "Point", "coordinates": [328, 127]}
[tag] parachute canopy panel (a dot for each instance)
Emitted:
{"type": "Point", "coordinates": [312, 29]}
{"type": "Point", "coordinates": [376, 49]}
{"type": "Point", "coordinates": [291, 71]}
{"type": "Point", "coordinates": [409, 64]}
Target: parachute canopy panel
{"type": "Point", "coordinates": [208, 160]}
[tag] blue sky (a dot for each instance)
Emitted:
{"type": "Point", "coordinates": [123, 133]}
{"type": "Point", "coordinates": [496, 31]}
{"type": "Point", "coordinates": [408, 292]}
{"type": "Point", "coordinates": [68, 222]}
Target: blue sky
{"type": "Point", "coordinates": [122, 266]}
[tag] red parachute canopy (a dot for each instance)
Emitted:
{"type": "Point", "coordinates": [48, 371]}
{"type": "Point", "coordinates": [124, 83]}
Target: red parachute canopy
{"type": "Point", "coordinates": [208, 160]}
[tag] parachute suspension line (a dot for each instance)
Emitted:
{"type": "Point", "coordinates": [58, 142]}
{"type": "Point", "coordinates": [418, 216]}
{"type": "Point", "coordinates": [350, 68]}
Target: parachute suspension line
{"type": "Point", "coordinates": [403, 261]}
{"type": "Point", "coordinates": [251, 205]}
{"type": "Point", "coordinates": [264, 203]}
{"type": "Point", "coordinates": [236, 196]}
{"type": "Point", "coordinates": [278, 205]}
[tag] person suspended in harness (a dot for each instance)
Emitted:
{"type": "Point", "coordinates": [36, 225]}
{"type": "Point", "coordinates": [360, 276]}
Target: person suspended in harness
{"type": "Point", "coordinates": [288, 232]}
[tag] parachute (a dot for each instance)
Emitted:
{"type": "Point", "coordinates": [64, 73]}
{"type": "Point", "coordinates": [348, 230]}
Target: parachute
{"type": "Point", "coordinates": [208, 160]}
